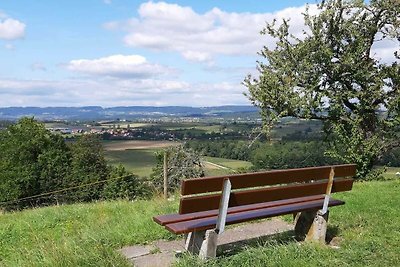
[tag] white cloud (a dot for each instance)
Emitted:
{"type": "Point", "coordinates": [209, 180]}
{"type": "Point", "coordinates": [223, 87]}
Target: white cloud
{"type": "Point", "coordinates": [126, 66]}
{"type": "Point", "coordinates": [11, 29]}
{"type": "Point", "coordinates": [115, 92]}
{"type": "Point", "coordinates": [199, 37]}
{"type": "Point", "coordinates": [197, 56]}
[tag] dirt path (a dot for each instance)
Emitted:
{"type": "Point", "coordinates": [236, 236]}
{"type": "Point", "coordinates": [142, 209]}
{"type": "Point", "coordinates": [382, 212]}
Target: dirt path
{"type": "Point", "coordinates": [162, 253]}
{"type": "Point", "coordinates": [211, 165]}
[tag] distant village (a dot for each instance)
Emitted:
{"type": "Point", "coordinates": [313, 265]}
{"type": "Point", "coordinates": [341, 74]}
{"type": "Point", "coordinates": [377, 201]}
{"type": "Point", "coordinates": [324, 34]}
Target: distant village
{"type": "Point", "coordinates": [123, 130]}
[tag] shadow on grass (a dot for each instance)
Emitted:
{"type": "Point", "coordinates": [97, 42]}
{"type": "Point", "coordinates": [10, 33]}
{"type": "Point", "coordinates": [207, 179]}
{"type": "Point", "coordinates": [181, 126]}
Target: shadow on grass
{"type": "Point", "coordinates": [282, 238]}
{"type": "Point", "coordinates": [230, 249]}
{"type": "Point", "coordinates": [331, 233]}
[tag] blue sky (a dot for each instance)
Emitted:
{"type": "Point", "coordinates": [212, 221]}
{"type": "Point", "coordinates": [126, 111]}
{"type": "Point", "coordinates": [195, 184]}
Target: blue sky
{"type": "Point", "coordinates": [124, 52]}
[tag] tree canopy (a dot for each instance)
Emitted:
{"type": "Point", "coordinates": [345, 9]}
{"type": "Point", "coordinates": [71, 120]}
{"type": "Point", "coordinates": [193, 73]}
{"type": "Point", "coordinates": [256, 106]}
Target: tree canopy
{"type": "Point", "coordinates": [331, 73]}
{"type": "Point", "coordinates": [34, 161]}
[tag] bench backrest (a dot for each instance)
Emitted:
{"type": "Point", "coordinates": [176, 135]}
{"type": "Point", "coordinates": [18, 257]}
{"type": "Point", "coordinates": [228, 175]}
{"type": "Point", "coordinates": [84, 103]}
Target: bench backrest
{"type": "Point", "coordinates": [251, 188]}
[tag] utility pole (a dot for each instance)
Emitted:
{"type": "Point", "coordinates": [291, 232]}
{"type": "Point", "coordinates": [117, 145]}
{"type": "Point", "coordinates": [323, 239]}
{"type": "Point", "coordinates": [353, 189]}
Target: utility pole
{"type": "Point", "coordinates": [165, 174]}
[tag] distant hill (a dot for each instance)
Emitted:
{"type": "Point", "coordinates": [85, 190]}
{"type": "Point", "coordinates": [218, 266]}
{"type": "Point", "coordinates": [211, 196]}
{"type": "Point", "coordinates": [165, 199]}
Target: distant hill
{"type": "Point", "coordinates": [122, 112]}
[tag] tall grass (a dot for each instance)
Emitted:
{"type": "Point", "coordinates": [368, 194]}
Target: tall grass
{"type": "Point", "coordinates": [80, 234]}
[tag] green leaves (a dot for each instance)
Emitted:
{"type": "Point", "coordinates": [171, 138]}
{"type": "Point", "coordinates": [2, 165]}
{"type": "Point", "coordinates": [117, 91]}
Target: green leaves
{"type": "Point", "coordinates": [34, 161]}
{"type": "Point", "coordinates": [330, 74]}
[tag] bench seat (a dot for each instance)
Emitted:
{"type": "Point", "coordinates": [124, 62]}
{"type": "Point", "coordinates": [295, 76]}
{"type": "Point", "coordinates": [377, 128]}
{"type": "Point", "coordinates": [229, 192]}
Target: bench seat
{"type": "Point", "coordinates": [200, 221]}
{"type": "Point", "coordinates": [208, 204]}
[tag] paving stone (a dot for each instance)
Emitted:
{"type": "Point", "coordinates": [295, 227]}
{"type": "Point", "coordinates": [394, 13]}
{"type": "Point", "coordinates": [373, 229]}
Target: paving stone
{"type": "Point", "coordinates": [136, 251]}
{"type": "Point", "coordinates": [155, 260]}
{"type": "Point", "coordinates": [175, 245]}
{"type": "Point", "coordinates": [142, 256]}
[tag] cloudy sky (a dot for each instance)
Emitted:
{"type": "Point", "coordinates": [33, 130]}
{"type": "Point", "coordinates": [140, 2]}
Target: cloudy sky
{"type": "Point", "coordinates": [126, 52]}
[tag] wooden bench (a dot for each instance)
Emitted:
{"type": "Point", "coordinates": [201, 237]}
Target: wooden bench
{"type": "Point", "coordinates": [208, 204]}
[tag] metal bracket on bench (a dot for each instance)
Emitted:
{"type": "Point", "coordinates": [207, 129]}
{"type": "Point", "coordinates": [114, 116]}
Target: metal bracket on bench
{"type": "Point", "coordinates": [328, 191]}
{"type": "Point", "coordinates": [223, 206]}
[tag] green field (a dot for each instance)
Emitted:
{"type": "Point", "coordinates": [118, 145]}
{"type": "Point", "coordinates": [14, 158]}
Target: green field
{"type": "Point", "coordinates": [290, 126]}
{"type": "Point", "coordinates": [141, 161]}
{"type": "Point", "coordinates": [229, 166]}
{"type": "Point", "coordinates": [367, 230]}
{"type": "Point", "coordinates": [229, 163]}
{"type": "Point", "coordinates": [136, 156]}
{"type": "Point", "coordinates": [138, 161]}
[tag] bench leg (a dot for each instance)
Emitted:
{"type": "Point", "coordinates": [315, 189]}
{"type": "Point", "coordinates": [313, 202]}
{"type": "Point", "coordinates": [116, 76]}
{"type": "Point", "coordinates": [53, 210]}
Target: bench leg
{"type": "Point", "coordinates": [202, 243]}
{"type": "Point", "coordinates": [311, 226]}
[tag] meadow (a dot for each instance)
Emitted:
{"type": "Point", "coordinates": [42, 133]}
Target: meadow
{"type": "Point", "coordinates": [90, 234]}
{"type": "Point", "coordinates": [139, 157]}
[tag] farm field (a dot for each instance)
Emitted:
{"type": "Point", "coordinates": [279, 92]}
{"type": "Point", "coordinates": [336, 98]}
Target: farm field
{"type": "Point", "coordinates": [290, 126]}
{"type": "Point", "coordinates": [138, 161]}
{"type": "Point", "coordinates": [118, 145]}
{"type": "Point", "coordinates": [229, 163]}
{"type": "Point", "coordinates": [136, 156]}
{"type": "Point", "coordinates": [139, 157]}
{"type": "Point", "coordinates": [221, 166]}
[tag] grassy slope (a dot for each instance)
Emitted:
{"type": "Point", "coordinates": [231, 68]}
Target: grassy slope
{"type": "Point", "coordinates": [80, 234]}
{"type": "Point", "coordinates": [88, 234]}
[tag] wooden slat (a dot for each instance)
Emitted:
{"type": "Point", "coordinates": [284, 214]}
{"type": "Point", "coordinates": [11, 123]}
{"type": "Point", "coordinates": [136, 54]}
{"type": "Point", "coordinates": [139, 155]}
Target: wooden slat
{"type": "Point", "coordinates": [246, 197]}
{"type": "Point", "coordinates": [213, 184]}
{"type": "Point", "coordinates": [209, 222]}
{"type": "Point", "coordinates": [176, 217]}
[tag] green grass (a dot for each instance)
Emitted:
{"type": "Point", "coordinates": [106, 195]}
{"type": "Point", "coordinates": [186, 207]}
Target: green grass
{"type": "Point", "coordinates": [80, 234]}
{"type": "Point", "coordinates": [391, 173]}
{"type": "Point", "coordinates": [368, 227]}
{"type": "Point", "coordinates": [138, 161]}
{"type": "Point", "coordinates": [89, 234]}
{"type": "Point", "coordinates": [229, 163]}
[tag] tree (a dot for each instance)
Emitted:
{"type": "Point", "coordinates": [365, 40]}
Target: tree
{"type": "Point", "coordinates": [35, 161]}
{"type": "Point", "coordinates": [32, 160]}
{"type": "Point", "coordinates": [182, 163]}
{"type": "Point", "coordinates": [88, 165]}
{"type": "Point", "coordinates": [330, 74]}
